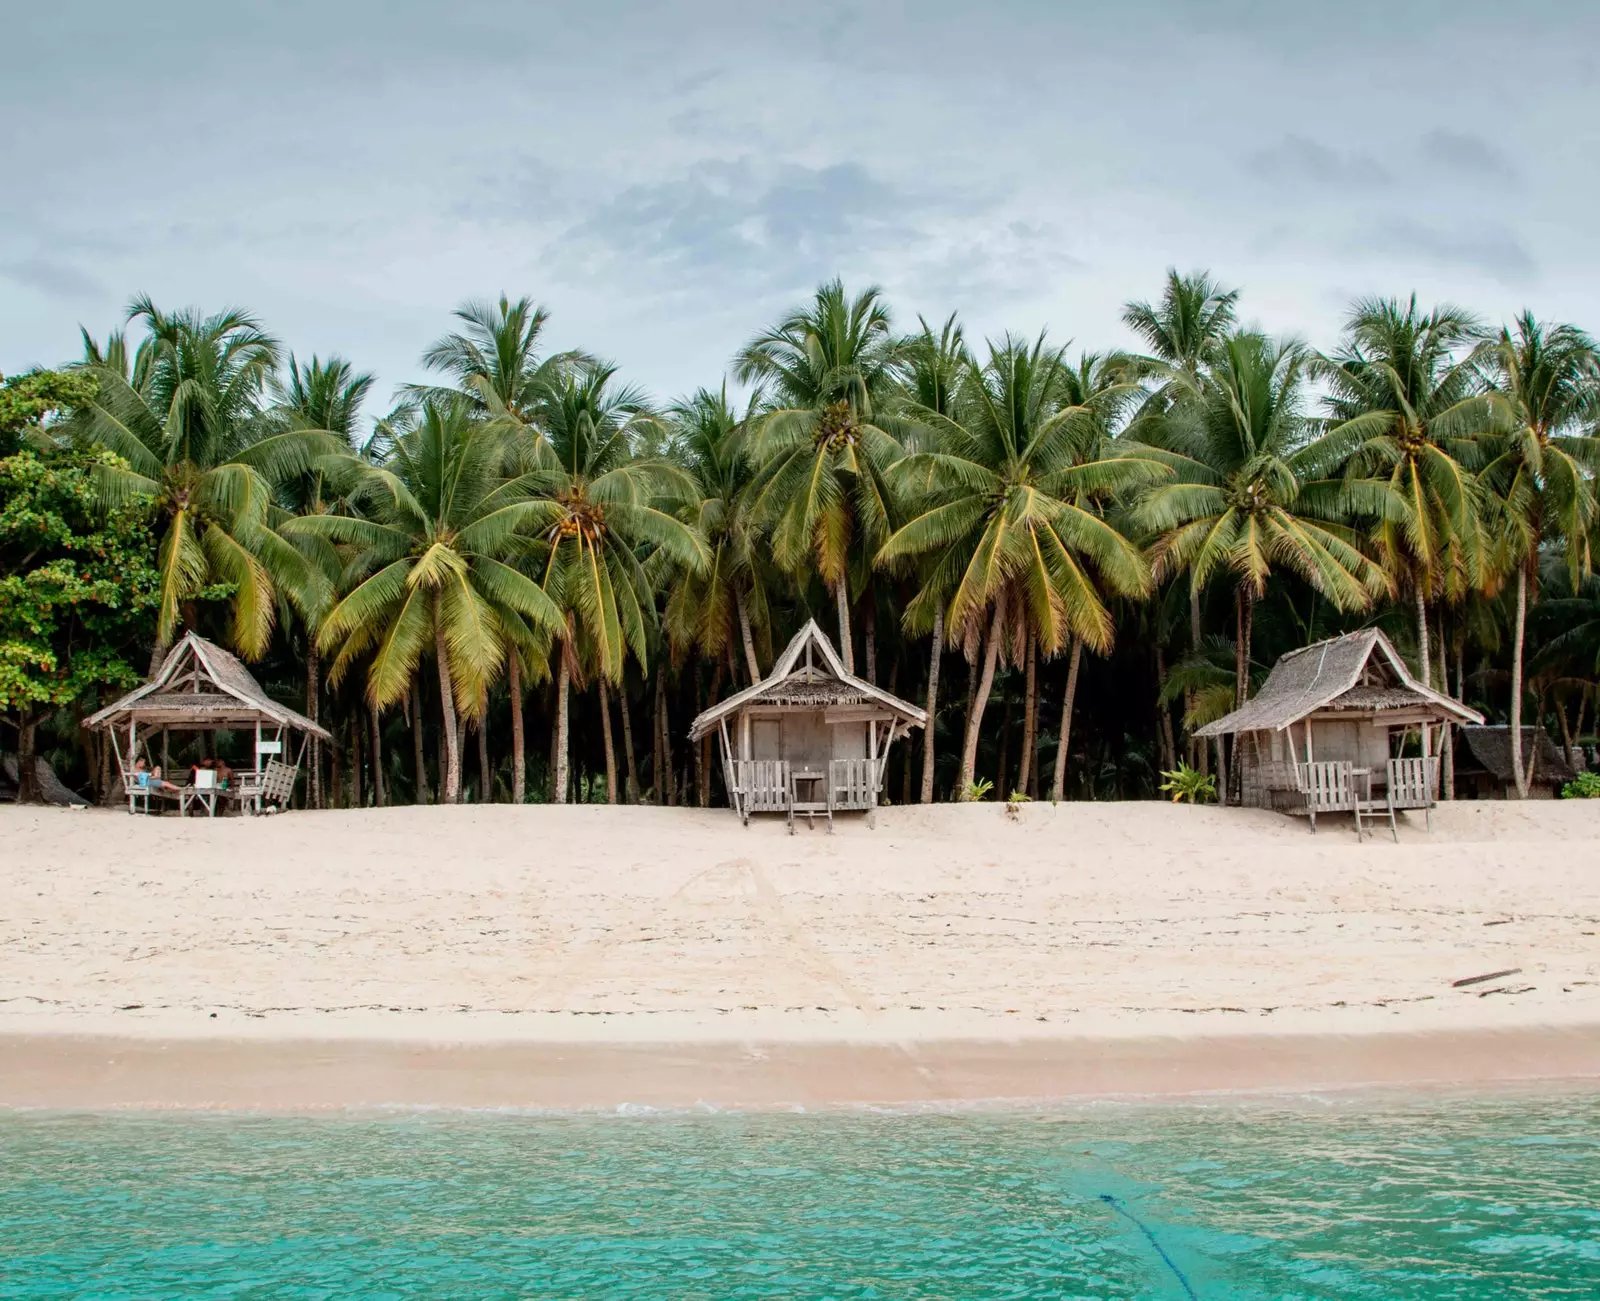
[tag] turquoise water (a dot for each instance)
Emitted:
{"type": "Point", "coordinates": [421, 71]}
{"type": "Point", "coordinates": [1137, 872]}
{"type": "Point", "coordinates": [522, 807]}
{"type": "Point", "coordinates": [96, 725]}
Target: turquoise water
{"type": "Point", "coordinates": [1485, 1198]}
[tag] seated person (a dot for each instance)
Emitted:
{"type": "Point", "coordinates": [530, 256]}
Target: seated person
{"type": "Point", "coordinates": [224, 774]}
{"type": "Point", "coordinates": [149, 777]}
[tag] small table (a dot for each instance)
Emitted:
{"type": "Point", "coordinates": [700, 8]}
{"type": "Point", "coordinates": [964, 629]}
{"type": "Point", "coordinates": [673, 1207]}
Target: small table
{"type": "Point", "coordinates": [206, 797]}
{"type": "Point", "coordinates": [813, 806]}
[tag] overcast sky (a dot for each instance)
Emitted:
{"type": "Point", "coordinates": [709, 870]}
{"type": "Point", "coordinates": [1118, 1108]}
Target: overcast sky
{"type": "Point", "coordinates": [667, 177]}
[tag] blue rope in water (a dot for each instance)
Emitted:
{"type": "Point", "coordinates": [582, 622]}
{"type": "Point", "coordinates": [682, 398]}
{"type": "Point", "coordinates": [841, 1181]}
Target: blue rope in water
{"type": "Point", "coordinates": [1116, 1204]}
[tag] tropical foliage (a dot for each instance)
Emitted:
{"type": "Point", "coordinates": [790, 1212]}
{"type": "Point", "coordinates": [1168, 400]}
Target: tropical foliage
{"type": "Point", "coordinates": [1075, 561]}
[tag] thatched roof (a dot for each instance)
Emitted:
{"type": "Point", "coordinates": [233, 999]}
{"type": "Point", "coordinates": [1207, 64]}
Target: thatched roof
{"type": "Point", "coordinates": [1358, 671]}
{"type": "Point", "coordinates": [1490, 747]}
{"type": "Point", "coordinates": [199, 685]}
{"type": "Point", "coordinates": [809, 674]}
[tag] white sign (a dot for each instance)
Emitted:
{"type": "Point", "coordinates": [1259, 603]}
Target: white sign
{"type": "Point", "coordinates": [269, 747]}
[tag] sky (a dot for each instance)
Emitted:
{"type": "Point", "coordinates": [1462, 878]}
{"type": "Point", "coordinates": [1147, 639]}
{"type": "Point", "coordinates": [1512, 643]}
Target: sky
{"type": "Point", "coordinates": [667, 177]}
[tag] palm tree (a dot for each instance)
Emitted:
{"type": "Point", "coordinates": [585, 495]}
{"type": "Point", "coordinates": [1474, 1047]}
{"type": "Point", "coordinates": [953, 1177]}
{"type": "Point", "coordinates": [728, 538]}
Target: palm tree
{"type": "Point", "coordinates": [825, 369]}
{"type": "Point", "coordinates": [1236, 502]}
{"type": "Point", "coordinates": [187, 418]}
{"type": "Point", "coordinates": [604, 512]}
{"type": "Point", "coordinates": [494, 359]}
{"type": "Point", "coordinates": [932, 368]}
{"type": "Point", "coordinates": [703, 610]}
{"type": "Point", "coordinates": [432, 561]}
{"type": "Point", "coordinates": [1404, 404]}
{"type": "Point", "coordinates": [1544, 393]}
{"type": "Point", "coordinates": [320, 395]}
{"type": "Point", "coordinates": [1184, 333]}
{"type": "Point", "coordinates": [1003, 514]}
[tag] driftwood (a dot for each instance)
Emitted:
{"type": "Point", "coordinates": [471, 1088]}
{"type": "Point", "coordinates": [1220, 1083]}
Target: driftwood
{"type": "Point", "coordinates": [1478, 980]}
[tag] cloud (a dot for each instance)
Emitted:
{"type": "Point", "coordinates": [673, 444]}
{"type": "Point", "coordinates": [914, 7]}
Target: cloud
{"type": "Point", "coordinates": [754, 226]}
{"type": "Point", "coordinates": [1300, 161]}
{"type": "Point", "coordinates": [1496, 251]}
{"type": "Point", "coordinates": [1466, 155]}
{"type": "Point", "coordinates": [53, 279]}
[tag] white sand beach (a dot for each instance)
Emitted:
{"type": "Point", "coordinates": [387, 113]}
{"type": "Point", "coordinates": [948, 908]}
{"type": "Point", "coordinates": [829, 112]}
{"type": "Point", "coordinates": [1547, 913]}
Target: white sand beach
{"type": "Point", "coordinates": [597, 956]}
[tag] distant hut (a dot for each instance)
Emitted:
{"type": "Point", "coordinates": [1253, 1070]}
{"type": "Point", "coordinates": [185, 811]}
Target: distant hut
{"type": "Point", "coordinates": [809, 738]}
{"type": "Point", "coordinates": [1483, 764]}
{"type": "Point", "coordinates": [202, 688]}
{"type": "Point", "coordinates": [1348, 700]}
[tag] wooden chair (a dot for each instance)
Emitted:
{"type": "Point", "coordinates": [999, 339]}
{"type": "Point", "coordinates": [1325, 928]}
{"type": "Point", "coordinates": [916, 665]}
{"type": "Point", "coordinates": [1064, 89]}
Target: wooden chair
{"type": "Point", "coordinates": [274, 786]}
{"type": "Point", "coordinates": [1330, 788]}
{"type": "Point", "coordinates": [1413, 784]}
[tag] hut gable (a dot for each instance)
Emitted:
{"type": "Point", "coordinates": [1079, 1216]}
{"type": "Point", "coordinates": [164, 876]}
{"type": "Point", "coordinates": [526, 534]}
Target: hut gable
{"type": "Point", "coordinates": [809, 674]}
{"type": "Point", "coordinates": [1358, 671]}
{"type": "Point", "coordinates": [200, 681]}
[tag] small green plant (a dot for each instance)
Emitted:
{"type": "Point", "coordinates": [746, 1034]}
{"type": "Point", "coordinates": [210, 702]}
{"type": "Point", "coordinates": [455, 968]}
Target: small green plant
{"type": "Point", "coordinates": [1190, 784]}
{"type": "Point", "coordinates": [1585, 786]}
{"type": "Point", "coordinates": [1019, 797]}
{"type": "Point", "coordinates": [979, 790]}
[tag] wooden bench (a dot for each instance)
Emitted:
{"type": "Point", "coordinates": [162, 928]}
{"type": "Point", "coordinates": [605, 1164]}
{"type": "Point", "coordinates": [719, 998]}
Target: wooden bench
{"type": "Point", "coordinates": [139, 793]}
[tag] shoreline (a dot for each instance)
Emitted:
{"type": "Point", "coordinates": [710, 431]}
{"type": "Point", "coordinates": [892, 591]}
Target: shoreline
{"type": "Point", "coordinates": [69, 1070]}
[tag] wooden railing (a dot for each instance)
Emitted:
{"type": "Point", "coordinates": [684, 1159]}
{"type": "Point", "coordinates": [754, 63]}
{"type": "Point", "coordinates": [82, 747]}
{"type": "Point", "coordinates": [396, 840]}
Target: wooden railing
{"type": "Point", "coordinates": [853, 783]}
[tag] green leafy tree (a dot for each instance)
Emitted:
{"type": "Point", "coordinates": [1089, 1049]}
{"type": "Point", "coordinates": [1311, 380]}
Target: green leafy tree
{"type": "Point", "coordinates": [77, 586]}
{"type": "Point", "coordinates": [1004, 510]}
{"type": "Point", "coordinates": [825, 372]}
{"type": "Point", "coordinates": [440, 522]}
{"type": "Point", "coordinates": [1542, 456]}
{"type": "Point", "coordinates": [189, 425]}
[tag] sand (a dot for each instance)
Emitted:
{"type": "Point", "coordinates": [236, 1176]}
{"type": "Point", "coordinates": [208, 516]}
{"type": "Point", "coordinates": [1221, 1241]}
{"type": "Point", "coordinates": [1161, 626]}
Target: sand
{"type": "Point", "coordinates": [590, 956]}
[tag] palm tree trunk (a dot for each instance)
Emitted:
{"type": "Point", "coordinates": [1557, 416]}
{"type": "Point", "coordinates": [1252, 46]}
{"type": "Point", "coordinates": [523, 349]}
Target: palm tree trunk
{"type": "Point", "coordinates": [1169, 745]}
{"type": "Point", "coordinates": [356, 800]}
{"type": "Point", "coordinates": [558, 792]}
{"type": "Point", "coordinates": [871, 620]}
{"type": "Point", "coordinates": [655, 708]}
{"type": "Point", "coordinates": [745, 636]}
{"type": "Point", "coordinates": [663, 720]}
{"type": "Point", "coordinates": [980, 701]}
{"type": "Point", "coordinates": [414, 708]}
{"type": "Point", "coordinates": [1424, 649]}
{"type": "Point", "coordinates": [335, 769]}
{"type": "Point", "coordinates": [379, 794]}
{"type": "Point", "coordinates": [932, 705]}
{"type": "Point", "coordinates": [1058, 779]}
{"type": "Point", "coordinates": [158, 654]}
{"type": "Point", "coordinates": [627, 744]}
{"type": "Point", "coordinates": [451, 791]}
{"type": "Point", "coordinates": [1566, 730]}
{"type": "Point", "coordinates": [611, 753]}
{"type": "Point", "coordinates": [1517, 769]}
{"type": "Point", "coordinates": [485, 776]}
{"type": "Point", "coordinates": [1198, 754]}
{"type": "Point", "coordinates": [841, 597]}
{"type": "Point", "coordinates": [519, 749]}
{"type": "Point", "coordinates": [313, 712]}
{"type": "Point", "coordinates": [1030, 719]}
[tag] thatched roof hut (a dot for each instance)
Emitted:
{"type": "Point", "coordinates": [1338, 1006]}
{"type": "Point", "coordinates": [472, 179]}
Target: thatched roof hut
{"type": "Point", "coordinates": [202, 688]}
{"type": "Point", "coordinates": [1344, 699]}
{"type": "Point", "coordinates": [810, 737]}
{"type": "Point", "coordinates": [1483, 764]}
